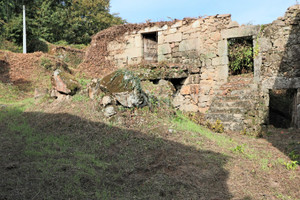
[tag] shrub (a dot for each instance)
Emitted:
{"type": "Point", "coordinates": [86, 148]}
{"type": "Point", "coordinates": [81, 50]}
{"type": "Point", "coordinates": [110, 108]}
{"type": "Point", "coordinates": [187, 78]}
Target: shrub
{"type": "Point", "coordinates": [240, 53]}
{"type": "Point", "coordinates": [216, 127]}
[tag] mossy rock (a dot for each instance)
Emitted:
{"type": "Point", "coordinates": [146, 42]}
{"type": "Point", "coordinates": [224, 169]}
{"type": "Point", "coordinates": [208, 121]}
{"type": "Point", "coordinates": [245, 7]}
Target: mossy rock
{"type": "Point", "coordinates": [118, 81]}
{"type": "Point", "coordinates": [125, 87]}
{"type": "Point", "coordinates": [70, 81]}
{"type": "Point", "coordinates": [65, 82]}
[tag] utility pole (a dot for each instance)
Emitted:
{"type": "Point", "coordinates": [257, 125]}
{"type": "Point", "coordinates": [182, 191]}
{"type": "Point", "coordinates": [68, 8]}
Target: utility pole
{"type": "Point", "coordinates": [24, 31]}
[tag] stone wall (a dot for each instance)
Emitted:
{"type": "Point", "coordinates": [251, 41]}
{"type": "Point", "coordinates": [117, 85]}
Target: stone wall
{"type": "Point", "coordinates": [195, 43]}
{"type": "Point", "coordinates": [201, 46]}
{"type": "Point", "coordinates": [279, 54]}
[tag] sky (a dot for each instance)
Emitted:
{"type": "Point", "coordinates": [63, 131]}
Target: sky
{"type": "Point", "coordinates": [244, 12]}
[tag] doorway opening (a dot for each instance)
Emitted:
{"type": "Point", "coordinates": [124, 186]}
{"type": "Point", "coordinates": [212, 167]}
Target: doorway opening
{"type": "Point", "coordinates": [150, 41]}
{"type": "Point", "coordinates": [281, 109]}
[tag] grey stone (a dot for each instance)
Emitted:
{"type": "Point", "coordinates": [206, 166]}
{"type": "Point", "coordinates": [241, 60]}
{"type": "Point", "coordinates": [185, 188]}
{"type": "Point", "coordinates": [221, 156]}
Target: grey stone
{"type": "Point", "coordinates": [164, 89]}
{"type": "Point", "coordinates": [178, 100]}
{"type": "Point", "coordinates": [130, 99]}
{"type": "Point", "coordinates": [280, 83]}
{"type": "Point", "coordinates": [3, 107]}
{"type": "Point", "coordinates": [106, 100]}
{"type": "Point", "coordinates": [278, 23]}
{"type": "Point", "coordinates": [125, 88]}
{"type": "Point", "coordinates": [109, 111]}
{"type": "Point", "coordinates": [64, 82]}
{"type": "Point", "coordinates": [243, 31]}
{"type": "Point", "coordinates": [189, 108]}
{"type": "Point", "coordinates": [233, 24]}
{"type": "Point", "coordinates": [264, 44]}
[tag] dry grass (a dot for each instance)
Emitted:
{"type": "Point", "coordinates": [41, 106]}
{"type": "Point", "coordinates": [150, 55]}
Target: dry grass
{"type": "Point", "coordinates": [67, 150]}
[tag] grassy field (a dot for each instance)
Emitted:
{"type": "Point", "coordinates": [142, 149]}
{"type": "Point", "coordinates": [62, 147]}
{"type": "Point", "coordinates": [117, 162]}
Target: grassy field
{"type": "Point", "coordinates": [68, 150]}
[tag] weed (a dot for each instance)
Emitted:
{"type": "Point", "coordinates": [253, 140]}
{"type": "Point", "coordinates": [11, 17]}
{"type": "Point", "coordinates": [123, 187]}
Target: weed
{"type": "Point", "coordinates": [84, 82]}
{"type": "Point", "coordinates": [239, 148]}
{"type": "Point", "coordinates": [264, 164]}
{"type": "Point", "coordinates": [283, 197]}
{"type": "Point", "coordinates": [291, 165]}
{"type": "Point", "coordinates": [244, 131]}
{"type": "Point", "coordinates": [217, 126]}
{"type": "Point", "coordinates": [10, 46]}
{"type": "Point", "coordinates": [256, 47]}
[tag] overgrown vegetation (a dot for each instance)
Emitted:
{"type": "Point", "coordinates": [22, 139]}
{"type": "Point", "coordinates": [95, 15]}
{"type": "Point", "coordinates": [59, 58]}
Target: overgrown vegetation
{"type": "Point", "coordinates": [240, 54]}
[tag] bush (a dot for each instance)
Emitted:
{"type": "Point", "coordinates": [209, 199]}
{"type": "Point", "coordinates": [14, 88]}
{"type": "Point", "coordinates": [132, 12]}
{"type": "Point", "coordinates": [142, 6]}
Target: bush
{"type": "Point", "coordinates": [36, 44]}
{"type": "Point", "coordinates": [10, 46]}
{"type": "Point", "coordinates": [240, 53]}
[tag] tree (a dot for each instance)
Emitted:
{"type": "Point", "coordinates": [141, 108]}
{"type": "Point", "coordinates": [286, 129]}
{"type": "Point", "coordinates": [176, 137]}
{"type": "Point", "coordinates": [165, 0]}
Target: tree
{"type": "Point", "coordinates": [74, 21]}
{"type": "Point", "coordinates": [87, 17]}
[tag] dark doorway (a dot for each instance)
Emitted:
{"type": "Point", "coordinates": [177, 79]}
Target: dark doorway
{"type": "Point", "coordinates": [281, 107]}
{"type": "Point", "coordinates": [240, 55]}
{"type": "Point", "coordinates": [150, 47]}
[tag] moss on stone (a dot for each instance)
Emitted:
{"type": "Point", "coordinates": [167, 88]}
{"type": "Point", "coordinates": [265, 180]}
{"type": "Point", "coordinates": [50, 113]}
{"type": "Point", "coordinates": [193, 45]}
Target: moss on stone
{"type": "Point", "coordinates": [70, 81]}
{"type": "Point", "coordinates": [116, 83]}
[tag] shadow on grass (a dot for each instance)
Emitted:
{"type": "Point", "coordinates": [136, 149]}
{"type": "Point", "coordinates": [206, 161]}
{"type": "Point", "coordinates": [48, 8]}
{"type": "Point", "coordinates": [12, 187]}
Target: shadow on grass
{"type": "Point", "coordinates": [287, 141]}
{"type": "Point", "coordinates": [61, 156]}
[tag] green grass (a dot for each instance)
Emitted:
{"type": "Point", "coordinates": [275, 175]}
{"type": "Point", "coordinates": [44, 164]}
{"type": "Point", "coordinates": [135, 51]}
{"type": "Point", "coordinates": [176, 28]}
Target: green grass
{"type": "Point", "coordinates": [49, 152]}
{"type": "Point", "coordinates": [80, 98]}
{"type": "Point", "coordinates": [8, 93]}
{"type": "Point", "coordinates": [182, 123]}
{"type": "Point", "coordinates": [65, 156]}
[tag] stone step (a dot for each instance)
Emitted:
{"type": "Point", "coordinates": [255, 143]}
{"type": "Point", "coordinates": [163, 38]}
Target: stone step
{"type": "Point", "coordinates": [239, 86]}
{"type": "Point", "coordinates": [234, 98]}
{"type": "Point", "coordinates": [233, 126]}
{"type": "Point", "coordinates": [236, 104]}
{"type": "Point", "coordinates": [245, 78]}
{"type": "Point", "coordinates": [224, 117]}
{"type": "Point", "coordinates": [236, 125]}
{"type": "Point", "coordinates": [227, 110]}
{"type": "Point", "coordinates": [234, 86]}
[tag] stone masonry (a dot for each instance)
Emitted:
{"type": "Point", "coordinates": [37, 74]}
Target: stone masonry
{"type": "Point", "coordinates": [201, 46]}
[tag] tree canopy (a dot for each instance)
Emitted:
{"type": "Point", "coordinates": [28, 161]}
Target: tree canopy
{"type": "Point", "coordinates": [73, 21]}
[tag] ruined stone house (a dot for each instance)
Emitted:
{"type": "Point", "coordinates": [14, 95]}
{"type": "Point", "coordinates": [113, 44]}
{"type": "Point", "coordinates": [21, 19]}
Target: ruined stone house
{"type": "Point", "coordinates": [194, 56]}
